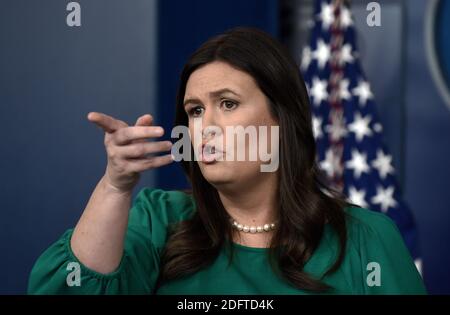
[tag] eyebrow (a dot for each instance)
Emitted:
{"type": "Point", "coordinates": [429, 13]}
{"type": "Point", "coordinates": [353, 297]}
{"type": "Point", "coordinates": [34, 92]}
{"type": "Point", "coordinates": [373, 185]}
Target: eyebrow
{"type": "Point", "coordinates": [213, 94]}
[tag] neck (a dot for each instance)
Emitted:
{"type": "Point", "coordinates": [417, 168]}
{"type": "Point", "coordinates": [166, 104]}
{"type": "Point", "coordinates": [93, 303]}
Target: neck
{"type": "Point", "coordinates": [254, 204]}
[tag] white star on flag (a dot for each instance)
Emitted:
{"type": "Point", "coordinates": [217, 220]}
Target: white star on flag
{"type": "Point", "coordinates": [345, 55]}
{"type": "Point", "coordinates": [360, 126]}
{"type": "Point", "coordinates": [317, 126]}
{"type": "Point", "coordinates": [383, 164]}
{"type": "Point", "coordinates": [363, 92]}
{"type": "Point", "coordinates": [306, 58]}
{"type": "Point", "coordinates": [377, 127]}
{"type": "Point", "coordinates": [385, 198]}
{"type": "Point", "coordinates": [322, 53]}
{"type": "Point", "coordinates": [358, 163]}
{"type": "Point", "coordinates": [346, 18]}
{"type": "Point", "coordinates": [344, 93]}
{"type": "Point", "coordinates": [357, 197]}
{"type": "Point", "coordinates": [326, 15]}
{"type": "Point", "coordinates": [319, 90]}
{"type": "Point", "coordinates": [331, 164]}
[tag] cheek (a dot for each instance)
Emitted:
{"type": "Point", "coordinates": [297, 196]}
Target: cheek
{"type": "Point", "coordinates": [253, 144]}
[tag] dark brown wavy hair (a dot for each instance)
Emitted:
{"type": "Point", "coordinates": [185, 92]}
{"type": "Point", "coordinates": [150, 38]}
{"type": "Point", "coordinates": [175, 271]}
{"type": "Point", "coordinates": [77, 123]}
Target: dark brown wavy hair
{"type": "Point", "coordinates": [306, 202]}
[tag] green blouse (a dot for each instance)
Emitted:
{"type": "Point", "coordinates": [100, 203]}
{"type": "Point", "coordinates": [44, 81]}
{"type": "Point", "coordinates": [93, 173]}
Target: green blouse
{"type": "Point", "coordinates": [376, 260]}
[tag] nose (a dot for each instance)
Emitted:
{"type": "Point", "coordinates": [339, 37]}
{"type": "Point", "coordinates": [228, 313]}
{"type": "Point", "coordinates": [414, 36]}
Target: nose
{"type": "Point", "coordinates": [209, 124]}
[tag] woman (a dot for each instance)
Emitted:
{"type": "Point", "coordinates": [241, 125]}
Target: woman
{"type": "Point", "coordinates": [242, 231]}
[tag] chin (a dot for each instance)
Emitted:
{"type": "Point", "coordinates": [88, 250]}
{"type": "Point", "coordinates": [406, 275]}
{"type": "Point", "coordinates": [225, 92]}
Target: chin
{"type": "Point", "coordinates": [216, 174]}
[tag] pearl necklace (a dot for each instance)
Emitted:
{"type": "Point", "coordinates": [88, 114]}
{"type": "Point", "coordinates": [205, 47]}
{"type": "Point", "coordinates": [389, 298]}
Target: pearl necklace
{"type": "Point", "coordinates": [252, 228]}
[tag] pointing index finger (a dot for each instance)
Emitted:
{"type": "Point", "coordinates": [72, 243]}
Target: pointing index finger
{"type": "Point", "coordinates": [107, 123]}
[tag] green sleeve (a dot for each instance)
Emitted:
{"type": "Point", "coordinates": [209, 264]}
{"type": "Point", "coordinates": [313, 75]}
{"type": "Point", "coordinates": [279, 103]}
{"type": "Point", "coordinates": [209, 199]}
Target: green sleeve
{"type": "Point", "coordinates": [385, 261]}
{"type": "Point", "coordinates": [153, 210]}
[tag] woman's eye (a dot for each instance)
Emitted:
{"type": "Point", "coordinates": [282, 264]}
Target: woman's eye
{"type": "Point", "coordinates": [195, 111]}
{"type": "Point", "coordinates": [229, 105]}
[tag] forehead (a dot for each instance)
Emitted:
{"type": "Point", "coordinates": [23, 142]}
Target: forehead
{"type": "Point", "coordinates": [218, 75]}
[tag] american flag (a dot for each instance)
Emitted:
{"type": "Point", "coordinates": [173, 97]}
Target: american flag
{"type": "Point", "coordinates": [347, 129]}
